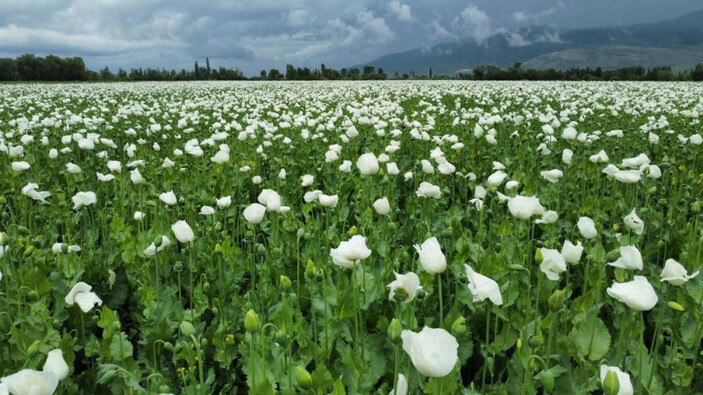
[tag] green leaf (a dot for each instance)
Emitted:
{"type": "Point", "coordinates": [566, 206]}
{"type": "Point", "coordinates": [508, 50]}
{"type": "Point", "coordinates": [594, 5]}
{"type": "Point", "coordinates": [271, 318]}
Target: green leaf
{"type": "Point", "coordinates": [338, 388]}
{"type": "Point", "coordinates": [591, 338]}
{"type": "Point", "coordinates": [120, 347]}
{"type": "Point", "coordinates": [345, 307]}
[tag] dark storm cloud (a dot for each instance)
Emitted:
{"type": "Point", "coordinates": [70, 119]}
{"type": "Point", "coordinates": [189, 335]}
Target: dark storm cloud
{"type": "Point", "coordinates": [256, 34]}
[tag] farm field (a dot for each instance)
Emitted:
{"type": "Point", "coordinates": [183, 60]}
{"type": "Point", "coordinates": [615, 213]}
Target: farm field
{"type": "Point", "coordinates": [351, 238]}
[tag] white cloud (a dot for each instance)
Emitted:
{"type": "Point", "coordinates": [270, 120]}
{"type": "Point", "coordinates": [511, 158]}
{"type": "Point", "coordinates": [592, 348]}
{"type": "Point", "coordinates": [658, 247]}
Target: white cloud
{"type": "Point", "coordinates": [401, 11]}
{"type": "Point", "coordinates": [526, 17]}
{"type": "Point", "coordinates": [516, 39]}
{"type": "Point", "coordinates": [439, 32]}
{"type": "Point", "coordinates": [473, 22]}
{"type": "Point", "coordinates": [375, 27]}
{"type": "Point", "coordinates": [298, 17]}
{"type": "Point", "coordinates": [45, 40]}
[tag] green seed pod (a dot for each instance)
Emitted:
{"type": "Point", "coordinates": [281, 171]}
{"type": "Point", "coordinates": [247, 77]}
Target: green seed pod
{"type": "Point", "coordinates": [395, 328]}
{"type": "Point", "coordinates": [546, 377]}
{"type": "Point", "coordinates": [459, 328]}
{"type": "Point", "coordinates": [611, 383]}
{"type": "Point", "coordinates": [303, 377]}
{"type": "Point", "coordinates": [187, 328]}
{"type": "Point", "coordinates": [251, 321]}
{"type": "Point", "coordinates": [675, 306]}
{"type": "Point", "coordinates": [286, 284]}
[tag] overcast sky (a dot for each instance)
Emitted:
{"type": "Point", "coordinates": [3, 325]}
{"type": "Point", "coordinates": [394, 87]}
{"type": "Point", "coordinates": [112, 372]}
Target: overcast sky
{"type": "Point", "coordinates": [258, 34]}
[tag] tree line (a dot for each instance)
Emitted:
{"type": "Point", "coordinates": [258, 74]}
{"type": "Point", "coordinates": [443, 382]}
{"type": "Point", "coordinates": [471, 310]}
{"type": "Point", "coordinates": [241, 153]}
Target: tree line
{"type": "Point", "coordinates": [29, 67]}
{"type": "Point", "coordinates": [635, 73]}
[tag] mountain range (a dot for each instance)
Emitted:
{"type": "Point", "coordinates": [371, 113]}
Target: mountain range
{"type": "Point", "coordinates": [677, 43]}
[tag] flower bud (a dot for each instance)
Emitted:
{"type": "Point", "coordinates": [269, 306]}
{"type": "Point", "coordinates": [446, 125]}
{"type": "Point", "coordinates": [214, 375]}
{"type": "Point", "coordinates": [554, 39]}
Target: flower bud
{"type": "Point", "coordinates": [611, 383]}
{"type": "Point", "coordinates": [285, 283]}
{"type": "Point", "coordinates": [108, 375]}
{"type": "Point", "coordinates": [251, 321]}
{"type": "Point", "coordinates": [546, 377]}
{"type": "Point", "coordinates": [459, 327]}
{"type": "Point", "coordinates": [187, 328]}
{"type": "Point", "coordinates": [516, 266]}
{"type": "Point", "coordinates": [219, 249]}
{"type": "Point", "coordinates": [32, 349]}
{"type": "Point", "coordinates": [538, 256]}
{"type": "Point", "coordinates": [353, 230]}
{"type": "Point", "coordinates": [303, 377]}
{"type": "Point", "coordinates": [394, 330]}
{"type": "Point", "coordinates": [29, 250]}
{"type": "Point", "coordinates": [4, 239]}
{"type": "Point", "coordinates": [310, 269]}
{"type": "Point", "coordinates": [556, 300]}
{"type": "Point", "coordinates": [675, 306]}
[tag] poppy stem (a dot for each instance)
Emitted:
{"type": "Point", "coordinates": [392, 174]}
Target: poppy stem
{"type": "Point", "coordinates": [485, 358]}
{"type": "Point", "coordinates": [441, 302]}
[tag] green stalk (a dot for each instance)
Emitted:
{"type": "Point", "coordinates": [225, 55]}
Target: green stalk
{"type": "Point", "coordinates": [441, 304]}
{"type": "Point", "coordinates": [485, 360]}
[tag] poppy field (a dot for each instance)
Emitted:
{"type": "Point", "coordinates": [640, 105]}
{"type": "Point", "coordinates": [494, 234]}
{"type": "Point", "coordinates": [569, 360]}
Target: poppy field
{"type": "Point", "coordinates": [351, 238]}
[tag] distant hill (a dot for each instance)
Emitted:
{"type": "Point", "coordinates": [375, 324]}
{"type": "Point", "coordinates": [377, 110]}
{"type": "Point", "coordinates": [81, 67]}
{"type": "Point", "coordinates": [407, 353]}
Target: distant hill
{"type": "Point", "coordinates": [677, 43]}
